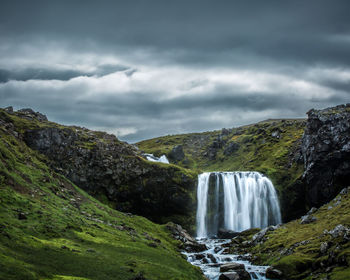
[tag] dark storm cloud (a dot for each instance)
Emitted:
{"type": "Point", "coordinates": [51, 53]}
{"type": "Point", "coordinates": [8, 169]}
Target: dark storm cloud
{"type": "Point", "coordinates": [192, 31]}
{"type": "Point", "coordinates": [56, 56]}
{"type": "Point", "coordinates": [57, 74]}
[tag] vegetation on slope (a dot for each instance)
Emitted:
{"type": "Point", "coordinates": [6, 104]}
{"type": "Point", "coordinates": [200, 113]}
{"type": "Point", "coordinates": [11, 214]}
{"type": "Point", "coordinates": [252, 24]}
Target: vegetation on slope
{"type": "Point", "coordinates": [50, 229]}
{"type": "Point", "coordinates": [316, 249]}
{"type": "Point", "coordinates": [271, 147]}
{"type": "Point", "coordinates": [110, 170]}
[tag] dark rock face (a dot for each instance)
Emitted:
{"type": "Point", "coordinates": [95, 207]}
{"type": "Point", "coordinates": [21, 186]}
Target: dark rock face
{"type": "Point", "coordinates": [326, 153]}
{"type": "Point", "coordinates": [177, 153]}
{"type": "Point", "coordinates": [230, 148]}
{"type": "Point", "coordinates": [102, 165]}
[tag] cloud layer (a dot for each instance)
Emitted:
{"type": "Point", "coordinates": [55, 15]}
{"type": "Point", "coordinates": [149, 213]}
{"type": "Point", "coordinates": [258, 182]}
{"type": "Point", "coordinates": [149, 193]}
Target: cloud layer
{"type": "Point", "coordinates": [151, 68]}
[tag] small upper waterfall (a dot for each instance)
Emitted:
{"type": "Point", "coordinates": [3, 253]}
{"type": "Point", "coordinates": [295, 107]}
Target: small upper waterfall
{"type": "Point", "coordinates": [162, 158]}
{"type": "Point", "coordinates": [235, 201]}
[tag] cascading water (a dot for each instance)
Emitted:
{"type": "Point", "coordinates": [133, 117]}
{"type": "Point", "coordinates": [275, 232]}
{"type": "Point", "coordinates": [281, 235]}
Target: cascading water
{"type": "Point", "coordinates": [235, 201]}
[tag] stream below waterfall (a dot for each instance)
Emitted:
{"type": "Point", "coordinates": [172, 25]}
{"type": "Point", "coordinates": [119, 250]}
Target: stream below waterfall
{"type": "Point", "coordinates": [210, 260]}
{"type": "Point", "coordinates": [234, 201]}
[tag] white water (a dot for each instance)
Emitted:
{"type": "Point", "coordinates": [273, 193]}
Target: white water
{"type": "Point", "coordinates": [210, 260]}
{"type": "Point", "coordinates": [235, 201]}
{"type": "Point", "coordinates": [162, 159]}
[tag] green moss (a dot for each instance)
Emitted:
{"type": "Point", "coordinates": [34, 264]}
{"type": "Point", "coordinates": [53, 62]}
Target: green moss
{"type": "Point", "coordinates": [295, 266]}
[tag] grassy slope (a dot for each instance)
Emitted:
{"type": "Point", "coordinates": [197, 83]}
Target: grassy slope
{"type": "Point", "coordinates": [306, 260]}
{"type": "Point", "coordinates": [66, 234]}
{"type": "Point", "coordinates": [257, 151]}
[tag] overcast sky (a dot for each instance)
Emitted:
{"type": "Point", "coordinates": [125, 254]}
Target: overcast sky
{"type": "Point", "coordinates": [142, 69]}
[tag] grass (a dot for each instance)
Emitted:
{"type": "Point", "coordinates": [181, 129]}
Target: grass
{"type": "Point", "coordinates": [51, 229]}
{"type": "Point", "coordinates": [306, 259]}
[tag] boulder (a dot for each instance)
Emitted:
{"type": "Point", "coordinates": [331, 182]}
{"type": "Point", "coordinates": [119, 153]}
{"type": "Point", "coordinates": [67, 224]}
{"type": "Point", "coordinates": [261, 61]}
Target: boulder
{"type": "Point", "coordinates": [177, 153]}
{"type": "Point", "coordinates": [260, 236]}
{"type": "Point", "coordinates": [189, 244]}
{"type": "Point", "coordinates": [231, 267]}
{"type": "Point", "coordinates": [226, 233]}
{"type": "Point", "coordinates": [229, 276]}
{"type": "Point", "coordinates": [307, 219]}
{"type": "Point", "coordinates": [273, 273]}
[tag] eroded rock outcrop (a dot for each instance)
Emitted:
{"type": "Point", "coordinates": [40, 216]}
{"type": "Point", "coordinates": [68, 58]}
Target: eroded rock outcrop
{"type": "Point", "coordinates": [110, 169]}
{"type": "Point", "coordinates": [326, 153]}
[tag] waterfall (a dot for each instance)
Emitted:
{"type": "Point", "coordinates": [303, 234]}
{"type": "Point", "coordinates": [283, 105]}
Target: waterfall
{"type": "Point", "coordinates": [235, 201]}
{"type": "Point", "coordinates": [162, 159]}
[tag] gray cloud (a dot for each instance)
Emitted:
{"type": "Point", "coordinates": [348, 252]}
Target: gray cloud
{"type": "Point", "coordinates": [58, 74]}
{"type": "Point", "coordinates": [200, 64]}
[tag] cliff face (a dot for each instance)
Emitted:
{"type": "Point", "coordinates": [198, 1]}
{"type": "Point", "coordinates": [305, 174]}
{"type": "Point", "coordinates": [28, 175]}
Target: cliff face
{"type": "Point", "coordinates": [326, 153]}
{"type": "Point", "coordinates": [111, 170]}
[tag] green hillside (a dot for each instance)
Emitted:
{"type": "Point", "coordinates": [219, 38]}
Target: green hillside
{"type": "Point", "coordinates": [50, 229]}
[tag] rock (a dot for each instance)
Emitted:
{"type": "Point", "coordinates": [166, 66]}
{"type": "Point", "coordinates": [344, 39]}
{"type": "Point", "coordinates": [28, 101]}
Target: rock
{"type": "Point", "coordinates": [231, 267]}
{"type": "Point", "coordinates": [153, 245]}
{"type": "Point", "coordinates": [30, 114]}
{"type": "Point", "coordinates": [276, 133]}
{"type": "Point", "coordinates": [345, 191]}
{"type": "Point", "coordinates": [211, 258]}
{"type": "Point", "coordinates": [258, 237]}
{"type": "Point", "coordinates": [326, 153]}
{"type": "Point", "coordinates": [307, 219]}
{"type": "Point", "coordinates": [339, 231]}
{"type": "Point", "coordinates": [312, 210]}
{"type": "Point", "coordinates": [323, 248]}
{"type": "Point", "coordinates": [229, 276]}
{"type": "Point", "coordinates": [9, 109]}
{"type": "Point", "coordinates": [225, 131]}
{"type": "Point", "coordinates": [189, 244]}
{"type": "Point", "coordinates": [273, 273]}
{"type": "Point", "coordinates": [177, 153]}
{"type": "Point", "coordinates": [22, 216]}
{"type": "Point", "coordinates": [230, 148]}
{"type": "Point", "coordinates": [234, 271]}
{"type": "Point", "coordinates": [226, 233]}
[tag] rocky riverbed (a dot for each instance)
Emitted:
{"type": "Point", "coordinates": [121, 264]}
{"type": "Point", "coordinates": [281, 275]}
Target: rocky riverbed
{"type": "Point", "coordinates": [217, 263]}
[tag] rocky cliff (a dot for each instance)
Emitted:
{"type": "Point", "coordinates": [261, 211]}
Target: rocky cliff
{"type": "Point", "coordinates": [326, 153]}
{"type": "Point", "coordinates": [111, 170]}
{"type": "Point", "coordinates": [272, 147]}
